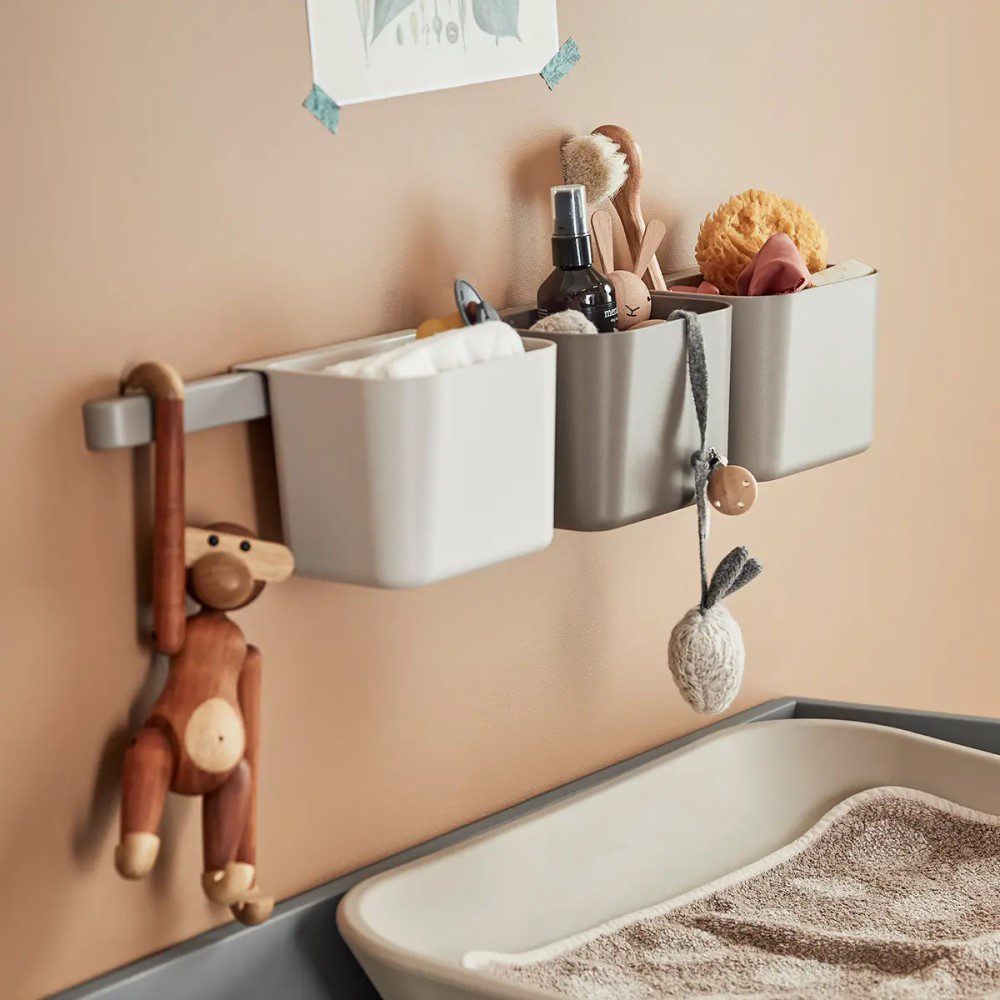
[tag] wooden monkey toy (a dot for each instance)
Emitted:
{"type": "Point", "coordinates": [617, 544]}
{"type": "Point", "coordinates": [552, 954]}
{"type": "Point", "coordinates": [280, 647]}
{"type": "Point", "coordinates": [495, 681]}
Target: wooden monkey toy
{"type": "Point", "coordinates": [202, 736]}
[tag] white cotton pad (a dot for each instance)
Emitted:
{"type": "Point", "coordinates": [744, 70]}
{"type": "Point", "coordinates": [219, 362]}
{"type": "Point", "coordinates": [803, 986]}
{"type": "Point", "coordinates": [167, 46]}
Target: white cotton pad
{"type": "Point", "coordinates": [459, 348]}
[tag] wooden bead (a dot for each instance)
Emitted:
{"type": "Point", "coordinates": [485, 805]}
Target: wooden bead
{"type": "Point", "coordinates": [731, 489]}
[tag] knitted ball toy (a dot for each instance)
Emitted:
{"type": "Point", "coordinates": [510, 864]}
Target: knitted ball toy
{"type": "Point", "coordinates": [706, 657]}
{"type": "Point", "coordinates": [731, 236]}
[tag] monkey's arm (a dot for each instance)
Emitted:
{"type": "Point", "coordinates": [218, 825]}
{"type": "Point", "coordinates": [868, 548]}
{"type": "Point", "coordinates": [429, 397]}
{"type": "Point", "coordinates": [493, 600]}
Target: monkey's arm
{"type": "Point", "coordinates": [256, 908]}
{"type": "Point", "coordinates": [249, 695]}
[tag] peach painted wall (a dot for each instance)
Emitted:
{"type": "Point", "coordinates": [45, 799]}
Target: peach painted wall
{"type": "Point", "coordinates": [165, 196]}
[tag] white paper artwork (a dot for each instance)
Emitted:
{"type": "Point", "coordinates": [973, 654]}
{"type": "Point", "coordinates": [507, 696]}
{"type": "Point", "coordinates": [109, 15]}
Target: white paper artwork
{"type": "Point", "coordinates": [363, 50]}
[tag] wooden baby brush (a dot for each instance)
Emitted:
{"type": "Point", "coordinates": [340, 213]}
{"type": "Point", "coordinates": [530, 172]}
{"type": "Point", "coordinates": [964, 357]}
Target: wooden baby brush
{"type": "Point", "coordinates": [595, 162]}
{"type": "Point", "coordinates": [626, 200]}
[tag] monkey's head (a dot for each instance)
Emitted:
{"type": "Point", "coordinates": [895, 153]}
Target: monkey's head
{"type": "Point", "coordinates": [228, 565]}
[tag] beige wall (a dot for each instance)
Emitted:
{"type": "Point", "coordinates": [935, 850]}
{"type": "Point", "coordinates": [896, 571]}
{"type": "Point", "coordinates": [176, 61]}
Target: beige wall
{"type": "Point", "coordinates": [165, 196]}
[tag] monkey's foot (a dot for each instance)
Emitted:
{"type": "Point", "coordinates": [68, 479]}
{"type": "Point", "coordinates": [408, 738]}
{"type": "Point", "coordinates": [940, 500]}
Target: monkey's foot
{"type": "Point", "coordinates": [136, 854]}
{"type": "Point", "coordinates": [253, 909]}
{"type": "Point", "coordinates": [228, 885]}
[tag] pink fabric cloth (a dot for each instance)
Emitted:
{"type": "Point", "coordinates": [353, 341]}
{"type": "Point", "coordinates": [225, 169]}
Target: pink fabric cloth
{"type": "Point", "coordinates": [705, 288]}
{"type": "Point", "coordinates": [777, 269]}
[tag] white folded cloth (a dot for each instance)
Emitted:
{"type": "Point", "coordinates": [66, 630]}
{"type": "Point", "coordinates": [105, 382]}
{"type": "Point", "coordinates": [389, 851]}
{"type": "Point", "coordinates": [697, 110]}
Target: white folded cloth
{"type": "Point", "coordinates": [442, 352]}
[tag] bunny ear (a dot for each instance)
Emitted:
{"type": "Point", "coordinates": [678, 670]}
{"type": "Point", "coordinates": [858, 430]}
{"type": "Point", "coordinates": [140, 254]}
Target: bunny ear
{"type": "Point", "coordinates": [651, 240]}
{"type": "Point", "coordinates": [726, 574]}
{"type": "Point", "coordinates": [605, 238]}
{"type": "Point", "coordinates": [751, 570]}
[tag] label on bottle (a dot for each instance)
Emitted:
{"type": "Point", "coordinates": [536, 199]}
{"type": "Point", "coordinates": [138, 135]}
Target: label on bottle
{"type": "Point", "coordinates": [604, 316]}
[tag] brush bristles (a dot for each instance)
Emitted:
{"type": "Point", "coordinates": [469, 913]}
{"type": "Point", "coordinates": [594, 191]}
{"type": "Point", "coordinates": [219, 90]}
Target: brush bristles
{"type": "Point", "coordinates": [595, 162]}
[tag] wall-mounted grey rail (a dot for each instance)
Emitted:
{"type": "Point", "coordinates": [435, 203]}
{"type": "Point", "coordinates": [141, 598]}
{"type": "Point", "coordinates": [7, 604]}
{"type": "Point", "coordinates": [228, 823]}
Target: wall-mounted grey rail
{"type": "Point", "coordinates": [127, 421]}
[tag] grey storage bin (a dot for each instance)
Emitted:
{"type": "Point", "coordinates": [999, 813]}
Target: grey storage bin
{"type": "Point", "coordinates": [802, 388]}
{"type": "Point", "coordinates": [625, 421]}
{"type": "Point", "coordinates": [403, 482]}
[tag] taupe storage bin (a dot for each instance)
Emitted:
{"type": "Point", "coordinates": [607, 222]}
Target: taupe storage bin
{"type": "Point", "coordinates": [402, 482]}
{"type": "Point", "coordinates": [625, 421]}
{"type": "Point", "coordinates": [803, 375]}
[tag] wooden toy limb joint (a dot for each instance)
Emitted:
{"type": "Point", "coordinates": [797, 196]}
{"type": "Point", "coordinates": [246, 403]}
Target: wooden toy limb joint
{"type": "Point", "coordinates": [202, 736]}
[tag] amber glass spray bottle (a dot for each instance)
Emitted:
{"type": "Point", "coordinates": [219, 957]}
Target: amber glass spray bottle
{"type": "Point", "coordinates": [575, 283]}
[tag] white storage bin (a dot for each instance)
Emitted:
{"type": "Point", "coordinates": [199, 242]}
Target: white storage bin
{"type": "Point", "coordinates": [403, 482]}
{"type": "Point", "coordinates": [802, 376]}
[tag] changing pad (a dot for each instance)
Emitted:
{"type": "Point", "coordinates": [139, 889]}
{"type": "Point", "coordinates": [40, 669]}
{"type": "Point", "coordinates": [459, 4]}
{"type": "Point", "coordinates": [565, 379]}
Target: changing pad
{"type": "Point", "coordinates": [893, 893]}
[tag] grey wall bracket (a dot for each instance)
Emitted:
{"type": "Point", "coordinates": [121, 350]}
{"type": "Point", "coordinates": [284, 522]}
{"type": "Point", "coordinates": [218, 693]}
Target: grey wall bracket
{"type": "Point", "coordinates": [127, 421]}
{"type": "Point", "coordinates": [233, 398]}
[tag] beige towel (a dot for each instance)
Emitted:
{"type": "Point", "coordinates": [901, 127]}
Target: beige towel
{"type": "Point", "coordinates": [894, 893]}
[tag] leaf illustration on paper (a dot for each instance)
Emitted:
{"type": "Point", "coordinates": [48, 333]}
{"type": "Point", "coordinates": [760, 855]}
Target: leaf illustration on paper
{"type": "Point", "coordinates": [365, 17]}
{"type": "Point", "coordinates": [415, 26]}
{"type": "Point", "coordinates": [497, 17]}
{"type": "Point", "coordinates": [385, 11]}
{"type": "Point", "coordinates": [462, 4]}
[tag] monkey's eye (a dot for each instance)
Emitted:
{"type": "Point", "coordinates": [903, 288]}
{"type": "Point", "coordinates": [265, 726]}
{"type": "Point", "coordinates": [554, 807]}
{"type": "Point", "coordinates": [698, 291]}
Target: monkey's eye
{"type": "Point", "coordinates": [244, 546]}
{"type": "Point", "coordinates": [213, 540]}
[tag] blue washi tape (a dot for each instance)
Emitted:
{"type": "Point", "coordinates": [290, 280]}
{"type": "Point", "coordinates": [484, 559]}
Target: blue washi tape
{"type": "Point", "coordinates": [323, 107]}
{"type": "Point", "coordinates": [561, 63]}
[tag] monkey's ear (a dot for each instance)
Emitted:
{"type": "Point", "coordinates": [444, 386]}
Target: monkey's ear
{"type": "Point", "coordinates": [269, 562]}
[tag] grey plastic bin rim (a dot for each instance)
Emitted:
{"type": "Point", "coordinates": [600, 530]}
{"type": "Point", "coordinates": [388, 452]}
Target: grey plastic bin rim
{"type": "Point", "coordinates": [708, 297]}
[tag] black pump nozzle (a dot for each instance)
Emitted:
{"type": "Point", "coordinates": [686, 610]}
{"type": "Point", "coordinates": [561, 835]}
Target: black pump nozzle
{"type": "Point", "coordinates": [570, 231]}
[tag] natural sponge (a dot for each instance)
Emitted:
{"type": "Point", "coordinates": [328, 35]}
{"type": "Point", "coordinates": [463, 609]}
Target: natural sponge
{"type": "Point", "coordinates": [731, 236]}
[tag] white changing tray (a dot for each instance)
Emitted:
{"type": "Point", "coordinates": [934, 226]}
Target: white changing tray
{"type": "Point", "coordinates": [632, 841]}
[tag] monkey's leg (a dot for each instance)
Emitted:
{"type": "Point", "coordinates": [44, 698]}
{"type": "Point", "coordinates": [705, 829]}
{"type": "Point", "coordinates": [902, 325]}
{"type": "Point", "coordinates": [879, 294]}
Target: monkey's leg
{"type": "Point", "coordinates": [149, 764]}
{"type": "Point", "coordinates": [224, 817]}
{"type": "Point", "coordinates": [253, 908]}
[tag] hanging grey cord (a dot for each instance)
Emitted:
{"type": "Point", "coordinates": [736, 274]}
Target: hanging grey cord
{"type": "Point", "coordinates": [737, 569]}
{"type": "Point", "coordinates": [706, 653]}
